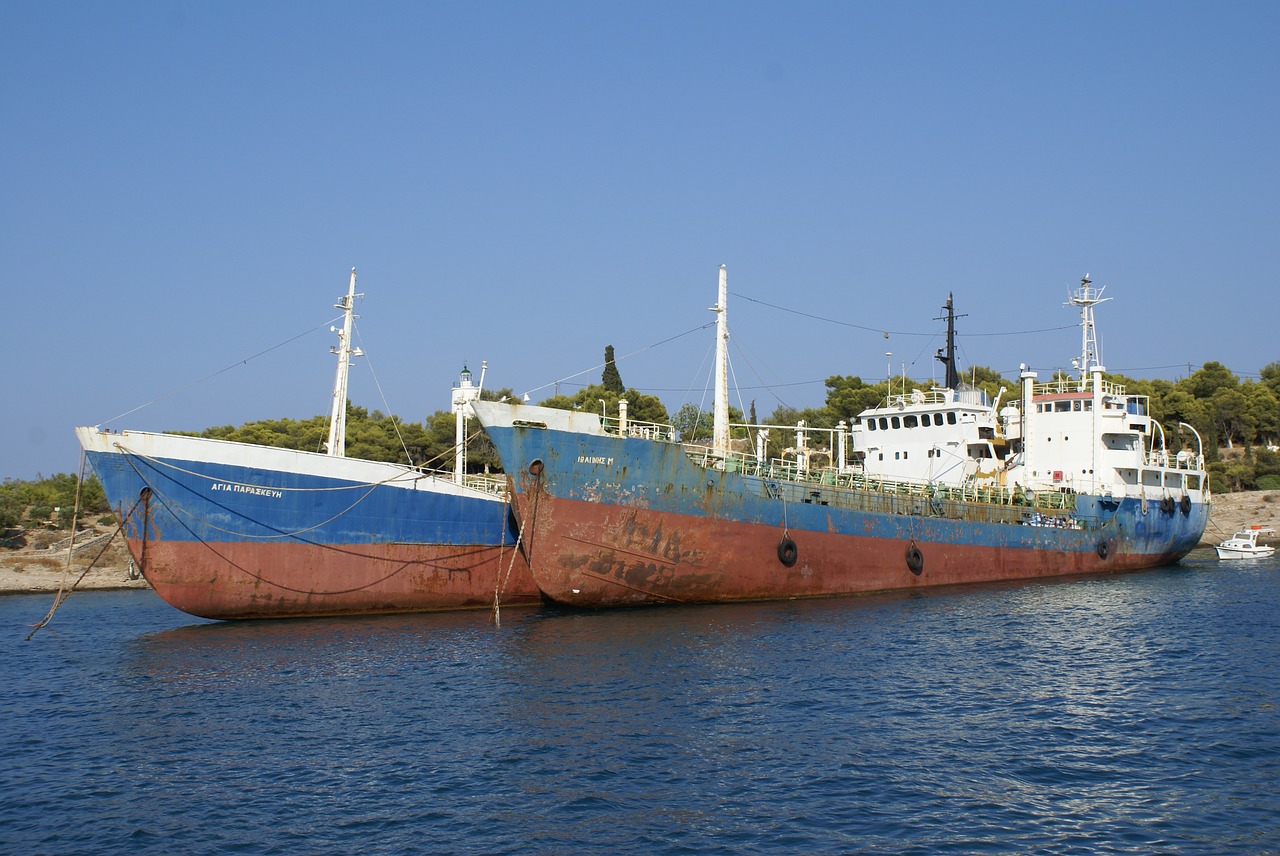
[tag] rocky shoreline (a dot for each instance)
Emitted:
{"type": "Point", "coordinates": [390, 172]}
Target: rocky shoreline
{"type": "Point", "coordinates": [42, 566]}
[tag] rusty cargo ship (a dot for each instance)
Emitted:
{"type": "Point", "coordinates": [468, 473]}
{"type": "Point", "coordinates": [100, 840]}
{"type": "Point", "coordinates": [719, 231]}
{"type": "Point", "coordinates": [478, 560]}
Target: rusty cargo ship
{"type": "Point", "coordinates": [234, 530]}
{"type": "Point", "coordinates": [933, 488]}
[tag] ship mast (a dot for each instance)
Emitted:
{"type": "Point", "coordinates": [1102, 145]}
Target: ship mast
{"type": "Point", "coordinates": [337, 445]}
{"type": "Point", "coordinates": [947, 356]}
{"type": "Point", "coordinates": [720, 416]}
{"type": "Point", "coordinates": [1086, 298]}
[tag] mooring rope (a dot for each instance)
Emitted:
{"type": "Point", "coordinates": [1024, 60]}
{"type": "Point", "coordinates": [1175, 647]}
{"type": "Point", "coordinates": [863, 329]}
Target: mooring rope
{"type": "Point", "coordinates": [515, 550]}
{"type": "Point", "coordinates": [208, 377]}
{"type": "Point", "coordinates": [782, 495]}
{"type": "Point", "coordinates": [64, 592]}
{"type": "Point", "coordinates": [177, 508]}
{"type": "Point", "coordinates": [179, 513]}
{"type": "Point", "coordinates": [127, 452]}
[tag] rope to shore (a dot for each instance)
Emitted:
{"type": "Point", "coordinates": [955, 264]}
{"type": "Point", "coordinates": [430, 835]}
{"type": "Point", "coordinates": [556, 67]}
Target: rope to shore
{"type": "Point", "coordinates": [179, 513]}
{"type": "Point", "coordinates": [177, 509]}
{"type": "Point", "coordinates": [368, 487]}
{"type": "Point", "coordinates": [416, 473]}
{"type": "Point", "coordinates": [515, 551]}
{"type": "Point", "coordinates": [64, 592]}
{"type": "Point", "coordinates": [208, 377]}
{"type": "Point", "coordinates": [129, 453]}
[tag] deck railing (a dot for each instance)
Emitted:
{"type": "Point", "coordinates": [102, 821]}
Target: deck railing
{"type": "Point", "coordinates": [785, 479]}
{"type": "Point", "coordinates": [496, 485]}
{"type": "Point", "coordinates": [1067, 384]}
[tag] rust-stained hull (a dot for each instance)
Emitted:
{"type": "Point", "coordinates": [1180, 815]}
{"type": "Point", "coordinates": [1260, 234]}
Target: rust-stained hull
{"type": "Point", "coordinates": [228, 530]}
{"type": "Point", "coordinates": [621, 521]}
{"type": "Point", "coordinates": [590, 554]}
{"type": "Point", "coordinates": [236, 580]}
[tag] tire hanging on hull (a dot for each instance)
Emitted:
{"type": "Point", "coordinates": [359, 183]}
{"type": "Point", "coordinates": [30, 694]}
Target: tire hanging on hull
{"type": "Point", "coordinates": [915, 559]}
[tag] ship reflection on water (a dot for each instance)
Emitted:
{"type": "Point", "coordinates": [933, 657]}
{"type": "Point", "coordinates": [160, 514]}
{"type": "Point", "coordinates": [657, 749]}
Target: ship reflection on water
{"type": "Point", "coordinates": [1122, 714]}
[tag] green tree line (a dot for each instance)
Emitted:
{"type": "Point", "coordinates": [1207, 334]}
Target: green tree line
{"type": "Point", "coordinates": [1239, 421]}
{"type": "Point", "coordinates": [48, 501]}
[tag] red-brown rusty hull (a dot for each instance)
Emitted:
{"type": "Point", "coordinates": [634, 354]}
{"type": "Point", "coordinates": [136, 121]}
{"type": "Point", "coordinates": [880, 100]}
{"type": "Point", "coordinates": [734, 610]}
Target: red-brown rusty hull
{"type": "Point", "coordinates": [233, 530]}
{"type": "Point", "coordinates": [243, 580]}
{"type": "Point", "coordinates": [617, 520]}
{"type": "Point", "coordinates": [590, 554]}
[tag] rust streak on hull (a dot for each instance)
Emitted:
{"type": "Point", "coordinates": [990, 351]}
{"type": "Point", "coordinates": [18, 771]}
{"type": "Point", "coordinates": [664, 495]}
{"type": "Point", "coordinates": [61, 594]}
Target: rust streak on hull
{"type": "Point", "coordinates": [238, 580]}
{"type": "Point", "coordinates": [701, 560]}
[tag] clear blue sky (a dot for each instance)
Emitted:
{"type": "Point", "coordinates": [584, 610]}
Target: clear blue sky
{"type": "Point", "coordinates": [185, 185]}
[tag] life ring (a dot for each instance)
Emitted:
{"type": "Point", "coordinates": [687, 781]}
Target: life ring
{"type": "Point", "coordinates": [1185, 504]}
{"type": "Point", "coordinates": [1166, 505]}
{"type": "Point", "coordinates": [1104, 550]}
{"type": "Point", "coordinates": [915, 559]}
{"type": "Point", "coordinates": [787, 552]}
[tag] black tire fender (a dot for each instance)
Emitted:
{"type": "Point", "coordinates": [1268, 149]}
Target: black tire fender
{"type": "Point", "coordinates": [915, 559]}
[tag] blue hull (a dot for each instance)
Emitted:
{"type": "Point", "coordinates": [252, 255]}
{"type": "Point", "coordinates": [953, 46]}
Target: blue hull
{"type": "Point", "coordinates": [226, 539]}
{"type": "Point", "coordinates": [620, 521]}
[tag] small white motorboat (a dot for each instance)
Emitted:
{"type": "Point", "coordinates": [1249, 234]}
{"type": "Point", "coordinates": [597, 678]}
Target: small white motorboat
{"type": "Point", "coordinates": [1244, 544]}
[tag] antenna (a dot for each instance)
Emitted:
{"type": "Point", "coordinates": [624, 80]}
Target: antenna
{"type": "Point", "coordinates": [947, 356]}
{"type": "Point", "coordinates": [1086, 298]}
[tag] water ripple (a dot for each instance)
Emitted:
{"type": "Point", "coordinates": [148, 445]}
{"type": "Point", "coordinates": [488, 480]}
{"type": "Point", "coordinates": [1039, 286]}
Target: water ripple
{"type": "Point", "coordinates": [1122, 715]}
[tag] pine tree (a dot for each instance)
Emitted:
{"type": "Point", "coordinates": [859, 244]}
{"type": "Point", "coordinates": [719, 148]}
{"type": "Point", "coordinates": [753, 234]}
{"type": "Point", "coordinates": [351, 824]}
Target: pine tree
{"type": "Point", "coordinates": [611, 380]}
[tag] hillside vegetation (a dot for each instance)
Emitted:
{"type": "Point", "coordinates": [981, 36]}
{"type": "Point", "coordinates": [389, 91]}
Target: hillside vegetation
{"type": "Point", "coordinates": [1238, 420]}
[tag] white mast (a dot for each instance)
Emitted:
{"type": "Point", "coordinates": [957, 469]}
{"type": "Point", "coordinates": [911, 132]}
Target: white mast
{"type": "Point", "coordinates": [337, 445]}
{"type": "Point", "coordinates": [720, 417]}
{"type": "Point", "coordinates": [1086, 298]}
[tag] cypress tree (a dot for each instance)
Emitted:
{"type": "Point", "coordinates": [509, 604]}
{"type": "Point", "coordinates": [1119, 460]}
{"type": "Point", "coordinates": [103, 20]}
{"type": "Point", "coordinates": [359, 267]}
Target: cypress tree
{"type": "Point", "coordinates": [611, 380]}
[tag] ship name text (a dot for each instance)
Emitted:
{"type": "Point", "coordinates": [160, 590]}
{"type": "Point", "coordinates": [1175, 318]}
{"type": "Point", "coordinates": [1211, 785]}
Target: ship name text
{"type": "Point", "coordinates": [247, 488]}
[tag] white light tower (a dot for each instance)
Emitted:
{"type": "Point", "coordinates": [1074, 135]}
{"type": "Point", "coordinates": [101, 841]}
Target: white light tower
{"type": "Point", "coordinates": [464, 392]}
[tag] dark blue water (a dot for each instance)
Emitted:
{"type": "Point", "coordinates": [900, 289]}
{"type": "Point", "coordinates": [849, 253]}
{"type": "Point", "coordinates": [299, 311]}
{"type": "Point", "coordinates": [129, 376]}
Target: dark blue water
{"type": "Point", "coordinates": [1134, 714]}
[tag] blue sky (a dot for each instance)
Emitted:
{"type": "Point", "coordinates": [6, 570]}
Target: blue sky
{"type": "Point", "coordinates": [186, 185]}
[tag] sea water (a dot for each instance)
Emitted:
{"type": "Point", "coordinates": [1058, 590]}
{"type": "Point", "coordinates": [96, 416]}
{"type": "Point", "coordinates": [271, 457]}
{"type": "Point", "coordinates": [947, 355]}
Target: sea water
{"type": "Point", "coordinates": [1125, 714]}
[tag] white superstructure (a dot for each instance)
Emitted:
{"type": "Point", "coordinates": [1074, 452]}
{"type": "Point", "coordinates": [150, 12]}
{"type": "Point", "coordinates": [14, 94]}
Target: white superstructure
{"type": "Point", "coordinates": [1082, 435]}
